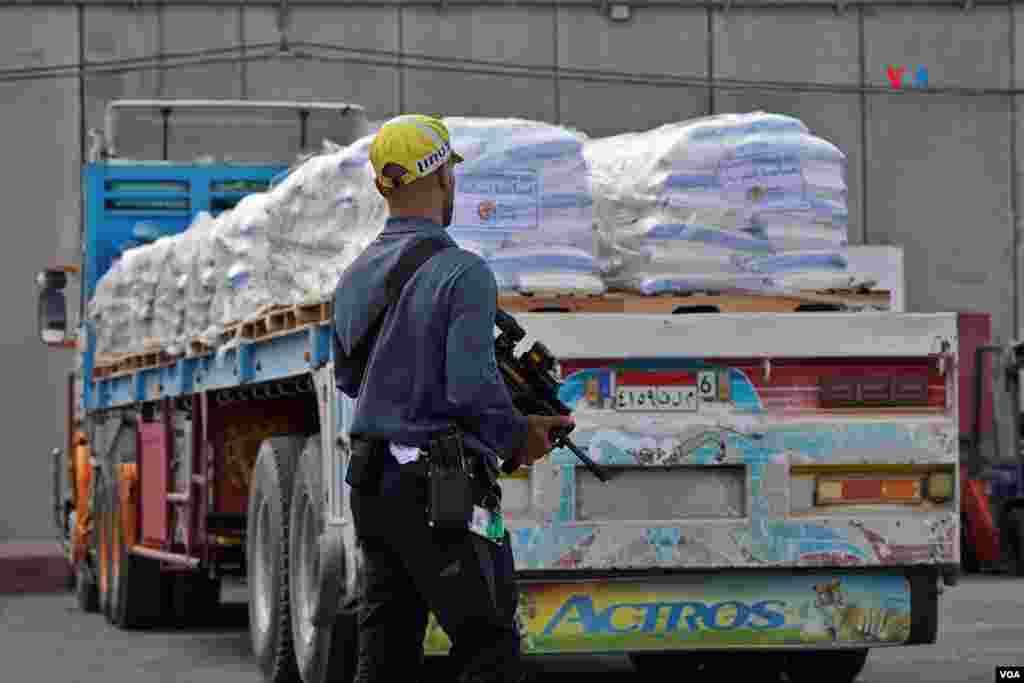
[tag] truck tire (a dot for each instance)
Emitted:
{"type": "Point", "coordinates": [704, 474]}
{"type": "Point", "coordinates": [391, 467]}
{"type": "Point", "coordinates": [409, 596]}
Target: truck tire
{"type": "Point", "coordinates": [1016, 528]}
{"type": "Point", "coordinates": [87, 592]}
{"type": "Point", "coordinates": [708, 666]}
{"type": "Point", "coordinates": [269, 515]}
{"type": "Point", "coordinates": [685, 665]}
{"type": "Point", "coordinates": [326, 654]}
{"type": "Point", "coordinates": [843, 666]}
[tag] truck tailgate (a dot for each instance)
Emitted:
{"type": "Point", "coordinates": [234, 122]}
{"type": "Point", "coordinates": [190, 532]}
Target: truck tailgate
{"type": "Point", "coordinates": [765, 440]}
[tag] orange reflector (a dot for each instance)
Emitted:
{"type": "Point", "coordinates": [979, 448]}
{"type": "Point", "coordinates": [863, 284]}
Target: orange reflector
{"type": "Point", "coordinates": [901, 489]}
{"type": "Point", "coordinates": [864, 490]}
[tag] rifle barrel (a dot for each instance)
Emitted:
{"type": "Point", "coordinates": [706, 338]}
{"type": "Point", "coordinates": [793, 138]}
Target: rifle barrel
{"type": "Point", "coordinates": [591, 465]}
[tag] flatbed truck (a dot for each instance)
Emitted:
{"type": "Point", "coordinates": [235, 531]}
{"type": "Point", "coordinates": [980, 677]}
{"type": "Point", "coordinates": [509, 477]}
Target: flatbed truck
{"type": "Point", "coordinates": [785, 486]}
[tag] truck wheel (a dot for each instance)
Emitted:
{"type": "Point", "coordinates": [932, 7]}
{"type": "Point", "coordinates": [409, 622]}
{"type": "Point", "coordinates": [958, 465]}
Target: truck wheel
{"type": "Point", "coordinates": [268, 520]}
{"type": "Point", "coordinates": [327, 653]}
{"type": "Point", "coordinates": [86, 590]}
{"type": "Point", "coordinates": [1017, 541]}
{"type": "Point", "coordinates": [709, 666]}
{"type": "Point", "coordinates": [843, 666]}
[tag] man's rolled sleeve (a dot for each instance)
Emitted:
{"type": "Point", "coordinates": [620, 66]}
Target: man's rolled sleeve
{"type": "Point", "coordinates": [475, 388]}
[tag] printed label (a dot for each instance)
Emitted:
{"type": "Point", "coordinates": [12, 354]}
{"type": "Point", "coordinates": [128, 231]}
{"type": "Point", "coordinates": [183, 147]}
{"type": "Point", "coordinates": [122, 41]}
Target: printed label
{"type": "Point", "coordinates": [753, 177]}
{"type": "Point", "coordinates": [497, 201]}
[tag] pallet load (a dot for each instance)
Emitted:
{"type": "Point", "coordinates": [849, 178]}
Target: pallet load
{"type": "Point", "coordinates": [750, 204]}
{"type": "Point", "coordinates": [523, 202]}
{"type": "Point", "coordinates": [735, 202]}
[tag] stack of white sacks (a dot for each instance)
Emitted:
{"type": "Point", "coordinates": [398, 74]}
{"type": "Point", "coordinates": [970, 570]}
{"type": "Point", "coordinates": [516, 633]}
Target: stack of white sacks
{"type": "Point", "coordinates": [736, 202]}
{"type": "Point", "coordinates": [523, 202]}
{"type": "Point", "coordinates": [282, 247]}
{"type": "Point", "coordinates": [733, 202]}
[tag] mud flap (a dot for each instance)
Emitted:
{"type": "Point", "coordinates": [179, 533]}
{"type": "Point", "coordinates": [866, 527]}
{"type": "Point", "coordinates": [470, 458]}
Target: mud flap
{"type": "Point", "coordinates": [924, 606]}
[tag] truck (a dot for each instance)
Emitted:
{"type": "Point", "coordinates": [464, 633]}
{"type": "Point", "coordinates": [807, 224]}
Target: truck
{"type": "Point", "coordinates": [992, 504]}
{"type": "Point", "coordinates": [784, 486]}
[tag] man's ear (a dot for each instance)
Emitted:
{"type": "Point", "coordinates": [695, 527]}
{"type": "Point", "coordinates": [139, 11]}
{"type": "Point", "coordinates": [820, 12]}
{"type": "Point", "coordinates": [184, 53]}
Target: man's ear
{"type": "Point", "coordinates": [444, 177]}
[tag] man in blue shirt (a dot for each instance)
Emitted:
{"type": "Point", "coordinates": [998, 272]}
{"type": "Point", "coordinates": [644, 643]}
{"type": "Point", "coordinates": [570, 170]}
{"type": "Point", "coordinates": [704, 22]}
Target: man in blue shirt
{"type": "Point", "coordinates": [431, 366]}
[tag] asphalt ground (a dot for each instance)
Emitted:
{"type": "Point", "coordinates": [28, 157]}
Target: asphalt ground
{"type": "Point", "coordinates": [45, 638]}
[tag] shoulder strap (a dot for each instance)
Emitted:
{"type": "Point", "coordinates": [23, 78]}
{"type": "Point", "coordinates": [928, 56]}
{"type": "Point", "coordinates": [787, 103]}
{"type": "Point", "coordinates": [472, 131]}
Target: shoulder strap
{"type": "Point", "coordinates": [408, 264]}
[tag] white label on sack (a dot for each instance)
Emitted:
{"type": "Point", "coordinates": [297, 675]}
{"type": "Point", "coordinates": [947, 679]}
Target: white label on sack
{"type": "Point", "coordinates": [497, 201]}
{"type": "Point", "coordinates": [752, 177]}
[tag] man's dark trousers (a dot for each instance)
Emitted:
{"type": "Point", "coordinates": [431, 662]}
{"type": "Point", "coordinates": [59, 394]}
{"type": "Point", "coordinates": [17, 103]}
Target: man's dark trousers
{"type": "Point", "coordinates": [410, 569]}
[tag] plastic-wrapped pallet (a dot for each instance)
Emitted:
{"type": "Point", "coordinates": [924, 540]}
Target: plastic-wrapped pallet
{"type": "Point", "coordinates": [327, 212]}
{"type": "Point", "coordinates": [110, 309]}
{"type": "Point", "coordinates": [523, 202]}
{"type": "Point", "coordinates": [170, 324]}
{"type": "Point", "coordinates": [290, 245]}
{"type": "Point", "coordinates": [201, 286]}
{"type": "Point", "coordinates": [686, 206]}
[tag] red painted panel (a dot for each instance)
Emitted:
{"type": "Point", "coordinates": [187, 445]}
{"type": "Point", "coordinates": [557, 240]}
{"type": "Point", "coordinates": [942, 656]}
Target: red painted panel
{"type": "Point", "coordinates": [640, 378]}
{"type": "Point", "coordinates": [154, 482]}
{"type": "Point", "coordinates": [974, 330]}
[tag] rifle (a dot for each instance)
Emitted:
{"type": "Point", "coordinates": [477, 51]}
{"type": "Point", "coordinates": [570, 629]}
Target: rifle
{"type": "Point", "coordinates": [531, 382]}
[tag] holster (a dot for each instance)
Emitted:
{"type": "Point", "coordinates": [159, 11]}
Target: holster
{"type": "Point", "coordinates": [451, 484]}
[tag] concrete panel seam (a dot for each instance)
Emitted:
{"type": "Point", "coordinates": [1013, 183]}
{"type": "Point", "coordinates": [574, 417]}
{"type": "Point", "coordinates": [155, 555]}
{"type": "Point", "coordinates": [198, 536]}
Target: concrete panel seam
{"type": "Point", "coordinates": [863, 125]}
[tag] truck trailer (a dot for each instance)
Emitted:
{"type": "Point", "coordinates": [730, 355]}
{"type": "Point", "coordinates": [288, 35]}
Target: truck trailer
{"type": "Point", "coordinates": [785, 469]}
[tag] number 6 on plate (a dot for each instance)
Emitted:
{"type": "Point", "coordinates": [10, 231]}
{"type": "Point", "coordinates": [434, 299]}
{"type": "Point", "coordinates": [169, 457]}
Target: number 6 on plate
{"type": "Point", "coordinates": [707, 385]}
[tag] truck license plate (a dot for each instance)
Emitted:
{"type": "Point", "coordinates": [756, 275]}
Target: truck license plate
{"type": "Point", "coordinates": [656, 399]}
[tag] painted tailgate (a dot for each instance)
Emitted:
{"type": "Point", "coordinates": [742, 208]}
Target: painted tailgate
{"type": "Point", "coordinates": [729, 472]}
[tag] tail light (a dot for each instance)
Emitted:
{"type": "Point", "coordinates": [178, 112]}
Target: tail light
{"type": "Point", "coordinates": [860, 490]}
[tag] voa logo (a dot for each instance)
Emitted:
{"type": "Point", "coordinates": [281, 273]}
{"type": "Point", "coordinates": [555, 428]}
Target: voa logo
{"type": "Point", "coordinates": [644, 617]}
{"type": "Point", "coordinates": [1009, 674]}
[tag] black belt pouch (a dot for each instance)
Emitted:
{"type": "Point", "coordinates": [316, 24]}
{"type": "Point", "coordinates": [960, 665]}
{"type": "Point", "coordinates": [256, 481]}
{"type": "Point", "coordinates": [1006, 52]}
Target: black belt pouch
{"type": "Point", "coordinates": [364, 464]}
{"type": "Point", "coordinates": [450, 503]}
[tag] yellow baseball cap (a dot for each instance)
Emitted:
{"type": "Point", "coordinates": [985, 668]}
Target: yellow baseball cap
{"type": "Point", "coordinates": [417, 144]}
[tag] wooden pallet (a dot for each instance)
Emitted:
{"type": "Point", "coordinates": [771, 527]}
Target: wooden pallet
{"type": "Point", "coordinates": [283, 319]}
{"type": "Point", "coordinates": [693, 303]}
{"type": "Point", "coordinates": [268, 323]}
{"type": "Point", "coordinates": [123, 364]}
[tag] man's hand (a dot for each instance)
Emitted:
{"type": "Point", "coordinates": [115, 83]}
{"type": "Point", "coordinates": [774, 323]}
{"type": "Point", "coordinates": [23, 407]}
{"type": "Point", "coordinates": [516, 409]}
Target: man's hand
{"type": "Point", "coordinates": [539, 441]}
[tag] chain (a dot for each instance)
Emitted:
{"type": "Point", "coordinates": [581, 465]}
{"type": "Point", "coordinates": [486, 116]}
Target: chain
{"type": "Point", "coordinates": [288, 388]}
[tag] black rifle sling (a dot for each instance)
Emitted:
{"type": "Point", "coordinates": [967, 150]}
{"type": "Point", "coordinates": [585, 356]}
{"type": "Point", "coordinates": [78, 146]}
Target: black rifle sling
{"type": "Point", "coordinates": [408, 264]}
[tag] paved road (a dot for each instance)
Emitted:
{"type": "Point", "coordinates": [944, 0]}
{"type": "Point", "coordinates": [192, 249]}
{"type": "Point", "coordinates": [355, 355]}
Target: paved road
{"type": "Point", "coordinates": [46, 638]}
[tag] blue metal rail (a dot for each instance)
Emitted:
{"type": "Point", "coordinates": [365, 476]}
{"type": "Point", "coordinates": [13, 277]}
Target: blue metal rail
{"type": "Point", "coordinates": [251, 362]}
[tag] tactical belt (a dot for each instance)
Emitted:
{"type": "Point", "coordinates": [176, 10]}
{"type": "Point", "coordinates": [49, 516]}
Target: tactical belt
{"type": "Point", "coordinates": [486, 495]}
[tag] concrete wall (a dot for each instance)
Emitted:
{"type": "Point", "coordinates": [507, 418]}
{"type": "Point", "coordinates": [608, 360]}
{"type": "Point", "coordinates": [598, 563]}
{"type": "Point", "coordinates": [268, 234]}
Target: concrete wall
{"type": "Point", "coordinates": [932, 171]}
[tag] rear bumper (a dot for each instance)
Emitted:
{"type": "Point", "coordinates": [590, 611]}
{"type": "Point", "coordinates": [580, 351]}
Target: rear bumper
{"type": "Point", "coordinates": [607, 613]}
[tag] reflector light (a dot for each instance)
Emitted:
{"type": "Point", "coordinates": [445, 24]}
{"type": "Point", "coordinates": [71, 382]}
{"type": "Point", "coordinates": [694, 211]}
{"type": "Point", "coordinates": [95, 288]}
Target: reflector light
{"type": "Point", "coordinates": [940, 486]}
{"type": "Point", "coordinates": [834, 491]}
{"type": "Point", "coordinates": [863, 392]}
